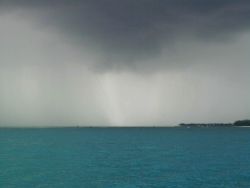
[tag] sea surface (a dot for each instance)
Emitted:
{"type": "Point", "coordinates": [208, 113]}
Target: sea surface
{"type": "Point", "coordinates": [125, 158]}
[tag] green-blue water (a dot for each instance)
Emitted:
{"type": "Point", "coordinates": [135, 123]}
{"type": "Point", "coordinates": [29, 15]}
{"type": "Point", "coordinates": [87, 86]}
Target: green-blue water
{"type": "Point", "coordinates": [125, 157]}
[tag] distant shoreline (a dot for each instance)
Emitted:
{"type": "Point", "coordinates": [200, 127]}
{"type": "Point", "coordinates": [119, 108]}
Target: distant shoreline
{"type": "Point", "coordinates": [122, 127]}
{"type": "Point", "coordinates": [240, 123]}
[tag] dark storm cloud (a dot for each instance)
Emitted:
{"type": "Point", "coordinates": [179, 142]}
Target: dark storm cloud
{"type": "Point", "coordinates": [160, 61]}
{"type": "Point", "coordinates": [125, 31]}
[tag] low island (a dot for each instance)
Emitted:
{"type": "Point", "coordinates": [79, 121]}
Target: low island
{"type": "Point", "coordinates": [242, 123]}
{"type": "Point", "coordinates": [239, 123]}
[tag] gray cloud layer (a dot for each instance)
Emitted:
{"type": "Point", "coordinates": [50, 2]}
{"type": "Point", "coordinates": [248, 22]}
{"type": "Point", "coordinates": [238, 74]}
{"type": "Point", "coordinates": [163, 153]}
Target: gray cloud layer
{"type": "Point", "coordinates": [51, 52]}
{"type": "Point", "coordinates": [126, 33]}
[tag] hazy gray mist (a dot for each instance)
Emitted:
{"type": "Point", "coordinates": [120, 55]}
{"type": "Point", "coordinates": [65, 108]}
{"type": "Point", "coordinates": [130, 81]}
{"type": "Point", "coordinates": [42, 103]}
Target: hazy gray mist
{"type": "Point", "coordinates": [123, 63]}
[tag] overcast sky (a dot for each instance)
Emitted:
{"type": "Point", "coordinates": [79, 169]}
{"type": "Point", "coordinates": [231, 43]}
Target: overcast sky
{"type": "Point", "coordinates": [123, 62]}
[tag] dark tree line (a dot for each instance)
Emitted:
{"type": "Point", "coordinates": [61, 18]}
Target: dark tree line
{"type": "Point", "coordinates": [236, 124]}
{"type": "Point", "coordinates": [242, 123]}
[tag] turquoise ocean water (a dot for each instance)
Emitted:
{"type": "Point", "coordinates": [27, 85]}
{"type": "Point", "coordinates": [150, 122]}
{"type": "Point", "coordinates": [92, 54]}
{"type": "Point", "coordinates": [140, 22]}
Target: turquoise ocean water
{"type": "Point", "coordinates": [125, 158]}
